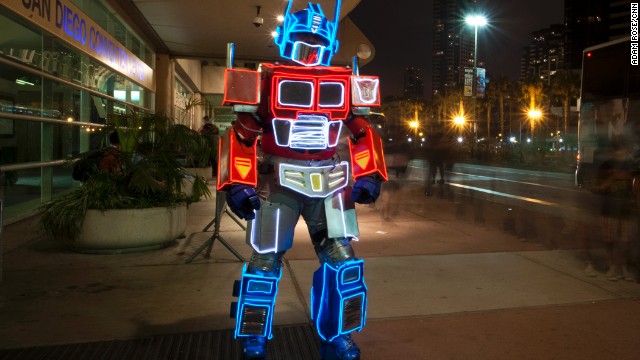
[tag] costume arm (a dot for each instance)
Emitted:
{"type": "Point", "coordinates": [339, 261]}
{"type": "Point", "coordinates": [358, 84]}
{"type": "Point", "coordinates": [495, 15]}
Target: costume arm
{"type": "Point", "coordinates": [237, 162]}
{"type": "Point", "coordinates": [237, 149]}
{"type": "Point", "coordinates": [367, 157]}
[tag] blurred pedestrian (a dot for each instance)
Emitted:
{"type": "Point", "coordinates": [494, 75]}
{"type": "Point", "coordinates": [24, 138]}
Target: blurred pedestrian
{"type": "Point", "coordinates": [614, 186]}
{"type": "Point", "coordinates": [438, 151]}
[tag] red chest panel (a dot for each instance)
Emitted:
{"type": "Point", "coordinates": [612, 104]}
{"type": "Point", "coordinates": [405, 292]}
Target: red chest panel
{"type": "Point", "coordinates": [292, 90]}
{"type": "Point", "coordinates": [303, 109]}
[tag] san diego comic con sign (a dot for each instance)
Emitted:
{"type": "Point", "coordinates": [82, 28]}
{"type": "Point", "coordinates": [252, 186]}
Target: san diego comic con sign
{"type": "Point", "coordinates": [66, 21]}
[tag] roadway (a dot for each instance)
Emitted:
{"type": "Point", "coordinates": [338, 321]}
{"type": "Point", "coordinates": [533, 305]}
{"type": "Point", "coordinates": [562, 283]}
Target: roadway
{"type": "Point", "coordinates": [546, 197]}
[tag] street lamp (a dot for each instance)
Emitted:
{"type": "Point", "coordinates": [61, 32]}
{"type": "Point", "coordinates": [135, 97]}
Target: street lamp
{"type": "Point", "coordinates": [414, 124]}
{"type": "Point", "coordinates": [475, 21]}
{"type": "Point", "coordinates": [534, 114]}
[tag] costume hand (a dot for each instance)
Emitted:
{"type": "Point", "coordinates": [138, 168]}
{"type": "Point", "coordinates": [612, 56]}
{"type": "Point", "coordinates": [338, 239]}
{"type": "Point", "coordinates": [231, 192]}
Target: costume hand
{"type": "Point", "coordinates": [366, 189]}
{"type": "Point", "coordinates": [243, 200]}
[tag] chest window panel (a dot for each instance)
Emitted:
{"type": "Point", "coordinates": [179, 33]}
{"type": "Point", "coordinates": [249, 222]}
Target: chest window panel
{"type": "Point", "coordinates": [309, 132]}
{"type": "Point", "coordinates": [331, 94]}
{"type": "Point", "coordinates": [295, 93]}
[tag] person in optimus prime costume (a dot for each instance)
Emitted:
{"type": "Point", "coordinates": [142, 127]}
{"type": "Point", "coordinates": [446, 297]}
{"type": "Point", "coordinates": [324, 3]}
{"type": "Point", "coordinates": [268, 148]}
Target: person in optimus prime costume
{"type": "Point", "coordinates": [298, 111]}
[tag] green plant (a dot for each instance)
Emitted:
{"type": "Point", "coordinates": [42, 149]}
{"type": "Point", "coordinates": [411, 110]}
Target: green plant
{"type": "Point", "coordinates": [200, 151]}
{"type": "Point", "coordinates": [151, 175]}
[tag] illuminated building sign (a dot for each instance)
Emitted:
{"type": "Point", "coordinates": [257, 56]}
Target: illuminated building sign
{"type": "Point", "coordinates": [67, 22]}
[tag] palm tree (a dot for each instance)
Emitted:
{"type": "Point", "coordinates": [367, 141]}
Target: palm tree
{"type": "Point", "coordinates": [566, 85]}
{"type": "Point", "coordinates": [502, 88]}
{"type": "Point", "coordinates": [487, 103]}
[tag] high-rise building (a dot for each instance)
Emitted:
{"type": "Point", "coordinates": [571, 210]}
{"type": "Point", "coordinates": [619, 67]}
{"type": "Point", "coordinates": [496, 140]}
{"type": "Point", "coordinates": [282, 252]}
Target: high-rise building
{"type": "Point", "coordinates": [452, 44]}
{"type": "Point", "coordinates": [591, 22]}
{"type": "Point", "coordinates": [413, 88]}
{"type": "Point", "coordinates": [544, 55]}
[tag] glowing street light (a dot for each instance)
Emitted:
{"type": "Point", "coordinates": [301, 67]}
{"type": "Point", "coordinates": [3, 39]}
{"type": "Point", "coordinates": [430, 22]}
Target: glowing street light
{"type": "Point", "coordinates": [534, 115]}
{"type": "Point", "coordinates": [459, 120]}
{"type": "Point", "coordinates": [475, 21]}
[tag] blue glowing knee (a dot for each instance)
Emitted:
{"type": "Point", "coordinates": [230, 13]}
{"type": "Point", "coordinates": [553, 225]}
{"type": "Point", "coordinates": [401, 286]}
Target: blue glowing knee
{"type": "Point", "coordinates": [256, 300]}
{"type": "Point", "coordinates": [339, 298]}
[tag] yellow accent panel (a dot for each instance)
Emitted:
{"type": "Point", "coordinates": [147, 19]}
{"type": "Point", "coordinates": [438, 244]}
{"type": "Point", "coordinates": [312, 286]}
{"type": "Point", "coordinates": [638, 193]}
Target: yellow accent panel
{"type": "Point", "coordinates": [362, 158]}
{"type": "Point", "coordinates": [316, 182]}
{"type": "Point", "coordinates": [243, 165]}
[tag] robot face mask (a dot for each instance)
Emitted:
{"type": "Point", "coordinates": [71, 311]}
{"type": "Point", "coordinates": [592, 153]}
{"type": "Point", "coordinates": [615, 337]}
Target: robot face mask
{"type": "Point", "coordinates": [308, 49]}
{"type": "Point", "coordinates": [307, 37]}
{"type": "Point", "coordinates": [307, 54]}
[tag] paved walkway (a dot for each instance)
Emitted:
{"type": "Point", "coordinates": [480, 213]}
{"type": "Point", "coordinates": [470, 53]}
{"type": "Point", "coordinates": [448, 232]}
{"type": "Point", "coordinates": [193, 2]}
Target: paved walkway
{"type": "Point", "coordinates": [441, 285]}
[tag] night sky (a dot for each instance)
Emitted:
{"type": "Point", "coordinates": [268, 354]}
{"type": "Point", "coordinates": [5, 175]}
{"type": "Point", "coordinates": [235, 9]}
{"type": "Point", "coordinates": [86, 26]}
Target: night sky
{"type": "Point", "coordinates": [402, 36]}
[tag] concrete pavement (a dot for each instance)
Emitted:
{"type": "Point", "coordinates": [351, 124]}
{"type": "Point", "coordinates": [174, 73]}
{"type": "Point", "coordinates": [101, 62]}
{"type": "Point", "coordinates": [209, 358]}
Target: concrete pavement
{"type": "Point", "coordinates": [442, 285]}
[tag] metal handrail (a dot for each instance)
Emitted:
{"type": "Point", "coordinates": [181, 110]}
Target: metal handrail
{"type": "Point", "coordinates": [32, 165]}
{"type": "Point", "coordinates": [6, 115]}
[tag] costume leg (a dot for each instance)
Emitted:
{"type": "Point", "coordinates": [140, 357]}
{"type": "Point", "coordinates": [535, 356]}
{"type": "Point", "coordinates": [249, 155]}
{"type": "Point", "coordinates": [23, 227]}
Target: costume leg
{"type": "Point", "coordinates": [338, 295]}
{"type": "Point", "coordinates": [256, 294]}
{"type": "Point", "coordinates": [270, 235]}
{"type": "Point", "coordinates": [338, 298]}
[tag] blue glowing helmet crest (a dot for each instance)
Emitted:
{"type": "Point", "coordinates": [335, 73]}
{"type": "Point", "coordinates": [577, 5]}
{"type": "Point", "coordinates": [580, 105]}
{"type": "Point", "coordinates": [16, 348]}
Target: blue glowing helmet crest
{"type": "Point", "coordinates": [307, 37]}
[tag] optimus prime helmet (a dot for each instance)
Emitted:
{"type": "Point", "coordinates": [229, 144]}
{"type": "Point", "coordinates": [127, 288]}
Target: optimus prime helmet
{"type": "Point", "coordinates": [307, 37]}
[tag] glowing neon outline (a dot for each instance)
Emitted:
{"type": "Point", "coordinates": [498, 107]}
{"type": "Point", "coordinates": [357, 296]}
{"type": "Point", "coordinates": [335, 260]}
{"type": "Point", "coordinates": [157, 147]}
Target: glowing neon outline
{"type": "Point", "coordinates": [317, 167]}
{"type": "Point", "coordinates": [309, 20]}
{"type": "Point", "coordinates": [339, 289]}
{"type": "Point", "coordinates": [299, 128]}
{"type": "Point", "coordinates": [273, 126]}
{"type": "Point", "coordinates": [341, 98]}
{"type": "Point", "coordinates": [335, 143]}
{"type": "Point", "coordinates": [268, 303]}
{"type": "Point", "coordinates": [253, 235]}
{"type": "Point", "coordinates": [344, 221]}
{"type": "Point", "coordinates": [370, 137]}
{"type": "Point", "coordinates": [293, 73]}
{"type": "Point", "coordinates": [352, 281]}
{"type": "Point", "coordinates": [326, 124]}
{"type": "Point", "coordinates": [313, 89]}
{"type": "Point", "coordinates": [324, 286]}
{"type": "Point", "coordinates": [250, 283]}
{"type": "Point", "coordinates": [230, 161]}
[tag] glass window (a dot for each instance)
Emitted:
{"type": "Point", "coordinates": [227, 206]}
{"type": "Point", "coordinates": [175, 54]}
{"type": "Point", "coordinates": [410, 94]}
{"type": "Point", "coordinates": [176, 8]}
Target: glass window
{"type": "Point", "coordinates": [108, 20]}
{"type": "Point", "coordinates": [24, 45]}
{"type": "Point", "coordinates": [58, 118]}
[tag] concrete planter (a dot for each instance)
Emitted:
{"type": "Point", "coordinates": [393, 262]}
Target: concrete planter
{"type": "Point", "coordinates": [131, 230]}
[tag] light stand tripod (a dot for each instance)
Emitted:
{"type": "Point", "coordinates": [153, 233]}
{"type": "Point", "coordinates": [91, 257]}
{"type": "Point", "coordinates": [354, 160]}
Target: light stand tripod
{"type": "Point", "coordinates": [221, 207]}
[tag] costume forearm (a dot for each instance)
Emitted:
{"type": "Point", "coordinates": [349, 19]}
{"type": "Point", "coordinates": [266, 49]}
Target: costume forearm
{"type": "Point", "coordinates": [237, 161]}
{"type": "Point", "coordinates": [367, 157]}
